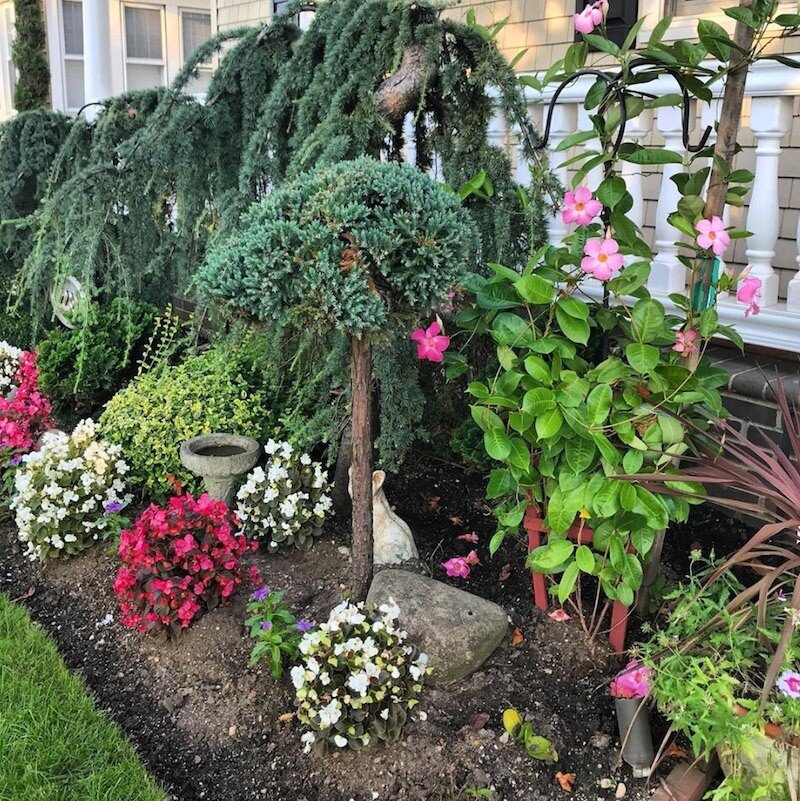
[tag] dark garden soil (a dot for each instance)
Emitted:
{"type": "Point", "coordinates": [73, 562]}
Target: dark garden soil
{"type": "Point", "coordinates": [209, 727]}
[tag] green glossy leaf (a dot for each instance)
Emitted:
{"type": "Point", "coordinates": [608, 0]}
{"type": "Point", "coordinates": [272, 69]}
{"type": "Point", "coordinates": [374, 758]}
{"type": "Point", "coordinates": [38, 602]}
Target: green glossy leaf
{"type": "Point", "coordinates": [585, 559]}
{"type": "Point", "coordinates": [497, 444]}
{"type": "Point", "coordinates": [535, 289]}
{"type": "Point", "coordinates": [580, 454]}
{"type": "Point", "coordinates": [550, 556]}
{"type": "Point", "coordinates": [598, 404]}
{"type": "Point", "coordinates": [539, 400]}
{"type": "Point", "coordinates": [549, 423]}
{"type": "Point", "coordinates": [643, 358]}
{"type": "Point", "coordinates": [647, 318]}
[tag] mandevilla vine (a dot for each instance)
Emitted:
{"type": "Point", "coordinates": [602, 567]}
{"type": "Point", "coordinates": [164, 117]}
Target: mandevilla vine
{"type": "Point", "coordinates": [594, 376]}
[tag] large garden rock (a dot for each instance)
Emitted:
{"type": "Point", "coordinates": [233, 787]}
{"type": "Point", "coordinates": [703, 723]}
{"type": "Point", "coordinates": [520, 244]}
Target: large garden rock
{"type": "Point", "coordinates": [456, 629]}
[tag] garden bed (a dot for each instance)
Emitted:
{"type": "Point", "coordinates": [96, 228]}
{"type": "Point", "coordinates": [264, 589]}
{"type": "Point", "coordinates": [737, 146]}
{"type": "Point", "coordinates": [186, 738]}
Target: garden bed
{"type": "Point", "coordinates": [209, 727]}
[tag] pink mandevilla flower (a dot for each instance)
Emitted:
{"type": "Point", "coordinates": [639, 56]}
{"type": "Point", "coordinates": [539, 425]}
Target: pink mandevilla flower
{"type": "Point", "coordinates": [580, 207]}
{"type": "Point", "coordinates": [603, 259]}
{"type": "Point", "coordinates": [789, 683]}
{"type": "Point", "coordinates": [749, 292]}
{"type": "Point", "coordinates": [591, 16]}
{"type": "Point", "coordinates": [633, 682]}
{"type": "Point", "coordinates": [430, 345]}
{"type": "Point", "coordinates": [685, 342]}
{"type": "Point", "coordinates": [711, 234]}
{"type": "Point", "coordinates": [460, 566]}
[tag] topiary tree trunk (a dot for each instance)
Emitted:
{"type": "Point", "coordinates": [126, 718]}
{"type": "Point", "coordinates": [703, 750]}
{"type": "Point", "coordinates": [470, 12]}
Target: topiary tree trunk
{"type": "Point", "coordinates": [361, 463]}
{"type": "Point", "coordinates": [29, 52]}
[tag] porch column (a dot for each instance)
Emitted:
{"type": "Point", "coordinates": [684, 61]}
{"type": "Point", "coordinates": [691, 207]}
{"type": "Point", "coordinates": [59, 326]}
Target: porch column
{"type": "Point", "coordinates": [96, 53]}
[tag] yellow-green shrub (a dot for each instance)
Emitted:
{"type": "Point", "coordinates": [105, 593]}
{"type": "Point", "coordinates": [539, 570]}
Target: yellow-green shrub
{"type": "Point", "coordinates": [161, 409]}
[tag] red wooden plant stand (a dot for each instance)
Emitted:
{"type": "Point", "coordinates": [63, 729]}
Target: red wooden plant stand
{"type": "Point", "coordinates": [619, 612]}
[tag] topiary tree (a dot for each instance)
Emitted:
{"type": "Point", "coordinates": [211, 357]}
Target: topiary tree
{"type": "Point", "coordinates": [352, 248]}
{"type": "Point", "coordinates": [29, 52]}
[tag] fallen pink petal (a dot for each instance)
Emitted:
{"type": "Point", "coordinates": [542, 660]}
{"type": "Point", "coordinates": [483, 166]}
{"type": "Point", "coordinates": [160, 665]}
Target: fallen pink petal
{"type": "Point", "coordinates": [559, 615]}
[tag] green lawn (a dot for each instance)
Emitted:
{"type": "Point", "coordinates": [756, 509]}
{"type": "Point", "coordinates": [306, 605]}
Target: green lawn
{"type": "Point", "coordinates": [55, 745]}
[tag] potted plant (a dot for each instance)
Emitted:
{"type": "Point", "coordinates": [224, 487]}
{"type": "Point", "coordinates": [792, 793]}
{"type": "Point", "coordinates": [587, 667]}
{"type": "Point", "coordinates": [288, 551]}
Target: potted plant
{"type": "Point", "coordinates": [630, 688]}
{"type": "Point", "coordinates": [709, 660]}
{"type": "Point", "coordinates": [593, 376]}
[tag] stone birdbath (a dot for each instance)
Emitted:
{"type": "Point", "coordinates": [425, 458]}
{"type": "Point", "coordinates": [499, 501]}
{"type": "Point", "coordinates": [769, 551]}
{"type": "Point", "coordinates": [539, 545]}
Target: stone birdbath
{"type": "Point", "coordinates": [220, 459]}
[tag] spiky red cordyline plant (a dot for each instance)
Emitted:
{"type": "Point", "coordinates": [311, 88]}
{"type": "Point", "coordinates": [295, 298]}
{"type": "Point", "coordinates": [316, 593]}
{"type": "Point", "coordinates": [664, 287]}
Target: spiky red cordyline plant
{"type": "Point", "coordinates": [729, 459]}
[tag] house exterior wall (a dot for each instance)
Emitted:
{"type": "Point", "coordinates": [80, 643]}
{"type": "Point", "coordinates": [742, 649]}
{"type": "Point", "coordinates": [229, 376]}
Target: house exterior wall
{"type": "Point", "coordinates": [173, 55]}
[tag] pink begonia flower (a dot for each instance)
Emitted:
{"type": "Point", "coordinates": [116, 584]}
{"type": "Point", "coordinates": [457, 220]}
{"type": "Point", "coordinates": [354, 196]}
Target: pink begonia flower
{"type": "Point", "coordinates": [602, 259]}
{"type": "Point", "coordinates": [749, 292]}
{"type": "Point", "coordinates": [559, 615]}
{"type": "Point", "coordinates": [685, 342]}
{"type": "Point", "coordinates": [712, 234]}
{"type": "Point", "coordinates": [580, 207]}
{"type": "Point", "coordinates": [789, 683]}
{"type": "Point", "coordinates": [459, 566]}
{"type": "Point", "coordinates": [430, 345]}
{"type": "Point", "coordinates": [591, 16]}
{"type": "Point", "coordinates": [633, 682]}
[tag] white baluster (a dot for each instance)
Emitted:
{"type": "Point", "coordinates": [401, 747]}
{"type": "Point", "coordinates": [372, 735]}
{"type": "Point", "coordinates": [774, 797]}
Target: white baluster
{"type": "Point", "coordinates": [595, 176]}
{"type": "Point", "coordinates": [562, 125]}
{"type": "Point", "coordinates": [793, 290]}
{"type": "Point", "coordinates": [667, 274]}
{"type": "Point", "coordinates": [410, 140]}
{"type": "Point", "coordinates": [636, 131]}
{"type": "Point", "coordinates": [770, 118]}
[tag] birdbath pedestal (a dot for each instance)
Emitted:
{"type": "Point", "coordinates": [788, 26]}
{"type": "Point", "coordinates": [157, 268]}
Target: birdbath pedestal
{"type": "Point", "coordinates": [219, 459]}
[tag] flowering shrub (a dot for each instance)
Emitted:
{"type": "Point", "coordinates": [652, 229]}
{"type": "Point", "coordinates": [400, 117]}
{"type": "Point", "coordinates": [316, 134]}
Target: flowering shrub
{"type": "Point", "coordinates": [27, 415]}
{"type": "Point", "coordinates": [275, 630]}
{"type": "Point", "coordinates": [357, 680]}
{"type": "Point", "coordinates": [68, 494]}
{"type": "Point", "coordinates": [178, 561]}
{"type": "Point", "coordinates": [287, 502]}
{"type": "Point", "coordinates": [9, 366]}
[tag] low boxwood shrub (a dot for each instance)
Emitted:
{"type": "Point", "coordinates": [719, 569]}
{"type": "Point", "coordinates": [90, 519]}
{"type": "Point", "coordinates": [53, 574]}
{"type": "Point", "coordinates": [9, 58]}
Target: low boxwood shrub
{"type": "Point", "coordinates": [178, 561]}
{"type": "Point", "coordinates": [357, 680]}
{"type": "Point", "coordinates": [81, 369]}
{"type": "Point", "coordinates": [286, 502]}
{"type": "Point", "coordinates": [68, 494]}
{"type": "Point", "coordinates": [161, 409]}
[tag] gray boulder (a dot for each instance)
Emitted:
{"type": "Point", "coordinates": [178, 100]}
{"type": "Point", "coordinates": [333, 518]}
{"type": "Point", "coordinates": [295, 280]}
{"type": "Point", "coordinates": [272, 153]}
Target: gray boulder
{"type": "Point", "coordinates": [458, 630]}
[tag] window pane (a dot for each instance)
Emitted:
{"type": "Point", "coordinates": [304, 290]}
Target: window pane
{"type": "Point", "coordinates": [144, 76]}
{"type": "Point", "coordinates": [143, 33]}
{"type": "Point", "coordinates": [280, 5]}
{"type": "Point", "coordinates": [73, 27]}
{"type": "Point", "coordinates": [196, 28]}
{"type": "Point", "coordinates": [73, 71]}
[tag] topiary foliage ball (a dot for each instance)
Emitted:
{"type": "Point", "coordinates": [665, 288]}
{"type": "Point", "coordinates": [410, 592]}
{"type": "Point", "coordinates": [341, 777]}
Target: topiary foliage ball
{"type": "Point", "coordinates": [345, 247]}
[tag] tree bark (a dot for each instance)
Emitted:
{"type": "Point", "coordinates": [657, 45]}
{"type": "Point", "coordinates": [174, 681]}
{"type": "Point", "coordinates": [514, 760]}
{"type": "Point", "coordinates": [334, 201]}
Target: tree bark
{"type": "Point", "coordinates": [361, 475]}
{"type": "Point", "coordinates": [401, 91]}
{"type": "Point", "coordinates": [730, 120]}
{"type": "Point", "coordinates": [730, 117]}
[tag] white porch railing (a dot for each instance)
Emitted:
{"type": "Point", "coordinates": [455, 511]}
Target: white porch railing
{"type": "Point", "coordinates": [771, 88]}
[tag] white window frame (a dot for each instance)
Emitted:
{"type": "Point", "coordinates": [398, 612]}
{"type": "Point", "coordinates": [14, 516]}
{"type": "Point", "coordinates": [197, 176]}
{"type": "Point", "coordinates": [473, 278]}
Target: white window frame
{"type": "Point", "coordinates": [150, 62]}
{"type": "Point", "coordinates": [193, 10]}
{"type": "Point", "coordinates": [65, 57]}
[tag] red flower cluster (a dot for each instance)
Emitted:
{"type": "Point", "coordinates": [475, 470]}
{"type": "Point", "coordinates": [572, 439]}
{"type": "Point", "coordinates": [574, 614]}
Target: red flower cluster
{"type": "Point", "coordinates": [26, 415]}
{"type": "Point", "coordinates": [177, 562]}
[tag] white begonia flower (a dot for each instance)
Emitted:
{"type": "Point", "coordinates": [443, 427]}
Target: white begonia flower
{"type": "Point", "coordinates": [359, 683]}
{"type": "Point", "coordinates": [271, 447]}
{"type": "Point", "coordinates": [329, 715]}
{"type": "Point", "coordinates": [308, 739]}
{"type": "Point", "coordinates": [340, 741]}
{"type": "Point", "coordinates": [390, 609]}
{"type": "Point", "coordinates": [297, 674]}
